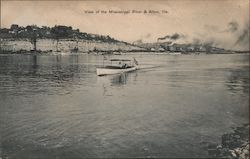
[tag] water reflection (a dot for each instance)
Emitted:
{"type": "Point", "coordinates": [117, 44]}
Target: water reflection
{"type": "Point", "coordinates": [29, 73]}
{"type": "Point", "coordinates": [34, 64]}
{"type": "Point", "coordinates": [116, 81]}
{"type": "Point", "coordinates": [238, 80]}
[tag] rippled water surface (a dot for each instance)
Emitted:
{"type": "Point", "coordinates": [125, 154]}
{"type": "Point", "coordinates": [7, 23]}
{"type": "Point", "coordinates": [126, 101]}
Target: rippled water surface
{"type": "Point", "coordinates": [54, 106]}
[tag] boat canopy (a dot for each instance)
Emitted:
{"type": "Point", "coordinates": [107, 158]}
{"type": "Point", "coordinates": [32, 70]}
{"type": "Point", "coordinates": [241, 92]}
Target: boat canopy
{"type": "Point", "coordinates": [119, 60]}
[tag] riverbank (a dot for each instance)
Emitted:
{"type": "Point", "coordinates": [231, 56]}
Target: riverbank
{"type": "Point", "coordinates": [109, 52]}
{"type": "Point", "coordinates": [233, 145]}
{"type": "Point", "coordinates": [25, 46]}
{"type": "Point", "coordinates": [64, 45]}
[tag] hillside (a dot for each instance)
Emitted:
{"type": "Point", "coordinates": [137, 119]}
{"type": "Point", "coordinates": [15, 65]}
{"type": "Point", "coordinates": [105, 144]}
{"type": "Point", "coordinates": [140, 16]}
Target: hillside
{"type": "Point", "coordinates": [58, 38]}
{"type": "Point", "coordinates": [44, 32]}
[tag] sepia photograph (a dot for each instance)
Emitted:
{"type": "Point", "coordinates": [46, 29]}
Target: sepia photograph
{"type": "Point", "coordinates": [124, 79]}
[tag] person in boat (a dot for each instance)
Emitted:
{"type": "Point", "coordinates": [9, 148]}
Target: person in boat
{"type": "Point", "coordinates": [124, 65]}
{"type": "Point", "coordinates": [120, 64]}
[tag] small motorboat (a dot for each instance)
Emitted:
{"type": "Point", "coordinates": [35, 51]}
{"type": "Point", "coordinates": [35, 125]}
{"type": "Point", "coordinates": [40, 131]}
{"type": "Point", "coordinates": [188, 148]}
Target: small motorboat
{"type": "Point", "coordinates": [119, 68]}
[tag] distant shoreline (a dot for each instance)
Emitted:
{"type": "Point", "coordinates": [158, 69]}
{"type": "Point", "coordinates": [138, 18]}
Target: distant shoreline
{"type": "Point", "coordinates": [116, 53]}
{"type": "Point", "coordinates": [69, 45]}
{"type": "Point", "coordinates": [19, 39]}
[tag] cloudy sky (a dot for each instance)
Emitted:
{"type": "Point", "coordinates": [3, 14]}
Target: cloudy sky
{"type": "Point", "coordinates": [225, 23]}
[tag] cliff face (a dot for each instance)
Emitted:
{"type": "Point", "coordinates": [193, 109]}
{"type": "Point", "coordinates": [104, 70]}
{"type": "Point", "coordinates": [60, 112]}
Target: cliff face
{"type": "Point", "coordinates": [65, 45]}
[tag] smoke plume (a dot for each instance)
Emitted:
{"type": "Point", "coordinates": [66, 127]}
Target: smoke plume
{"type": "Point", "coordinates": [233, 26]}
{"type": "Point", "coordinates": [173, 37]}
{"type": "Point", "coordinates": [243, 38]}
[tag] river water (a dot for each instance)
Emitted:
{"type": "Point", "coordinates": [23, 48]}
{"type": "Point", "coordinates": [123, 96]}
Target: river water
{"type": "Point", "coordinates": [54, 106]}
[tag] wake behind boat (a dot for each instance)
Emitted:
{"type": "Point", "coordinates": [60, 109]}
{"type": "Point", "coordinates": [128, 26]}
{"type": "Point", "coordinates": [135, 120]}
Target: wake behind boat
{"type": "Point", "coordinates": [124, 65]}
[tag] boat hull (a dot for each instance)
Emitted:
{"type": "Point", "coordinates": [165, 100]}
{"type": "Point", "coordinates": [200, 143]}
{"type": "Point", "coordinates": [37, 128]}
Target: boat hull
{"type": "Point", "coordinates": [108, 71]}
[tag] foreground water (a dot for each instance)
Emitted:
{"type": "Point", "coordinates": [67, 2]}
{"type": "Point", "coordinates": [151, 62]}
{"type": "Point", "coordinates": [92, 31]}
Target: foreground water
{"type": "Point", "coordinates": [54, 106]}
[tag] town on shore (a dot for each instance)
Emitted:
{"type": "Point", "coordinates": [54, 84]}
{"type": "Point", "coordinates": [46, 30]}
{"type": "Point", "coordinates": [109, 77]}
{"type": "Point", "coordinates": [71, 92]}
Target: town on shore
{"type": "Point", "coordinates": [19, 39]}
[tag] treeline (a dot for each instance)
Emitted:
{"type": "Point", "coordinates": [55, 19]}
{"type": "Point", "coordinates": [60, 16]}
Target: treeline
{"type": "Point", "coordinates": [57, 32]}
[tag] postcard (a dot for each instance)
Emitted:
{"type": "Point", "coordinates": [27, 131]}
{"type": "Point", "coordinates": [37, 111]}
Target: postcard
{"type": "Point", "coordinates": [124, 79]}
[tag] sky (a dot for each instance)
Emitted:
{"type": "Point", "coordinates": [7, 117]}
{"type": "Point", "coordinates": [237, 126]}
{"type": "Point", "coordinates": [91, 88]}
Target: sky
{"type": "Point", "coordinates": [223, 23]}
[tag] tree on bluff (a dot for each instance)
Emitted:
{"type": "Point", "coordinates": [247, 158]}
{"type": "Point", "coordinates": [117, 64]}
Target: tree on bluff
{"type": "Point", "coordinates": [61, 32]}
{"type": "Point", "coordinates": [33, 39]}
{"type": "Point", "coordinates": [33, 31]}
